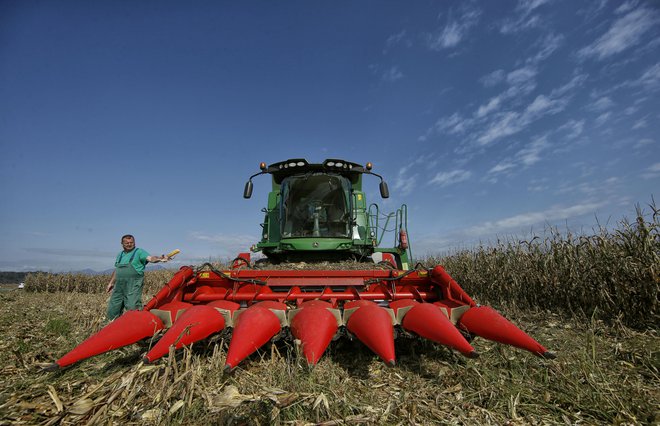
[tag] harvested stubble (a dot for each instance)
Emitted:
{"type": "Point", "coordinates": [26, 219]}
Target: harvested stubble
{"type": "Point", "coordinates": [603, 374]}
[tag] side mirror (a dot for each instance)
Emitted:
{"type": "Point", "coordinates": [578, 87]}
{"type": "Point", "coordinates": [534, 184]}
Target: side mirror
{"type": "Point", "coordinates": [247, 193]}
{"type": "Point", "coordinates": [384, 190]}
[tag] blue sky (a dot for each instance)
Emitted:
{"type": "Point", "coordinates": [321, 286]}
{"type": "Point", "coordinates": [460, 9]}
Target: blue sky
{"type": "Point", "coordinates": [488, 119]}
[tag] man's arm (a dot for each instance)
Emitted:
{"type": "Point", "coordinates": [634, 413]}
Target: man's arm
{"type": "Point", "coordinates": [157, 259]}
{"type": "Point", "coordinates": [111, 284]}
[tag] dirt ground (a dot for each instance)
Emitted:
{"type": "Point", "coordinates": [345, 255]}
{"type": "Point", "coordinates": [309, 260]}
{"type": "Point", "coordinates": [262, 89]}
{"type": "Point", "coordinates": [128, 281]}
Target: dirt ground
{"type": "Point", "coordinates": [603, 374]}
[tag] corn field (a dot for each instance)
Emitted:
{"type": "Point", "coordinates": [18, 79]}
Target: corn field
{"type": "Point", "coordinates": [612, 275]}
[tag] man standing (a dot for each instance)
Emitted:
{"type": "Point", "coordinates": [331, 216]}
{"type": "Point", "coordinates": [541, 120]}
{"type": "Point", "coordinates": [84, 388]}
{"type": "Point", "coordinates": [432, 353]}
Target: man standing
{"type": "Point", "coordinates": [128, 277]}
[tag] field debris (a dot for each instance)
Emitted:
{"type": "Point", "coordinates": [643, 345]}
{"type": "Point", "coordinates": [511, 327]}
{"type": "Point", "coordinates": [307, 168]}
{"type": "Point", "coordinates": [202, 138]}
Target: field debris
{"type": "Point", "coordinates": [603, 374]}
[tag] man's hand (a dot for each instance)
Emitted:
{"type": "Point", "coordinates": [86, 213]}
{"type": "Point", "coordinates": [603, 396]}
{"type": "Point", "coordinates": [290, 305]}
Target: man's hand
{"type": "Point", "coordinates": [109, 288]}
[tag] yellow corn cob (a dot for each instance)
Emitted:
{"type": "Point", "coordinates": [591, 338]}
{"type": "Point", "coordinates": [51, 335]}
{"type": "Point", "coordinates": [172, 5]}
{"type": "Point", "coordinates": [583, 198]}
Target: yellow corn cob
{"type": "Point", "coordinates": [173, 253]}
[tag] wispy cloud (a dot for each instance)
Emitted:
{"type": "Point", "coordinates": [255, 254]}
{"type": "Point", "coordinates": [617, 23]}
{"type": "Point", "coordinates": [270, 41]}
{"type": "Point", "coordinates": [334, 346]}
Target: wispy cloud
{"type": "Point", "coordinates": [623, 34]}
{"type": "Point", "coordinates": [392, 74]}
{"type": "Point", "coordinates": [601, 104]}
{"type": "Point", "coordinates": [524, 19]}
{"type": "Point", "coordinates": [652, 171]}
{"type": "Point", "coordinates": [643, 143]}
{"type": "Point", "coordinates": [492, 105]}
{"type": "Point", "coordinates": [405, 182]}
{"type": "Point", "coordinates": [650, 78]}
{"type": "Point", "coordinates": [524, 158]}
{"type": "Point", "coordinates": [454, 30]}
{"type": "Point", "coordinates": [511, 122]}
{"type": "Point", "coordinates": [453, 124]}
{"type": "Point", "coordinates": [492, 79]}
{"type": "Point", "coordinates": [639, 124]}
{"type": "Point", "coordinates": [523, 220]}
{"type": "Point", "coordinates": [603, 118]}
{"type": "Point", "coordinates": [71, 252]}
{"type": "Point", "coordinates": [573, 128]}
{"type": "Point", "coordinates": [443, 179]}
{"type": "Point", "coordinates": [506, 114]}
{"type": "Point", "coordinates": [546, 46]}
{"type": "Point", "coordinates": [227, 244]}
{"type": "Point", "coordinates": [394, 40]}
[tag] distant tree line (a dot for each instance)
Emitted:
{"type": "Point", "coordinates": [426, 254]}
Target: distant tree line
{"type": "Point", "coordinates": [12, 277]}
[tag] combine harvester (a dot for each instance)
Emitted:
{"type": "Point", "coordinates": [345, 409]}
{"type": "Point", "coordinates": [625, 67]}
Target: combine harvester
{"type": "Point", "coordinates": [316, 212]}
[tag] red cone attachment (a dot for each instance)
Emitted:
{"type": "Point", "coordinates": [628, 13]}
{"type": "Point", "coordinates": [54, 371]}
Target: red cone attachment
{"type": "Point", "coordinates": [196, 323]}
{"type": "Point", "coordinates": [225, 304]}
{"type": "Point", "coordinates": [484, 321]}
{"type": "Point", "coordinates": [129, 328]}
{"type": "Point", "coordinates": [254, 327]}
{"type": "Point", "coordinates": [428, 321]}
{"type": "Point", "coordinates": [315, 327]}
{"type": "Point", "coordinates": [373, 326]}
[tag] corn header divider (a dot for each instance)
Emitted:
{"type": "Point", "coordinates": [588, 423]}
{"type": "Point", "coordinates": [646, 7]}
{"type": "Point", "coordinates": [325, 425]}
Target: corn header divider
{"type": "Point", "coordinates": [314, 211]}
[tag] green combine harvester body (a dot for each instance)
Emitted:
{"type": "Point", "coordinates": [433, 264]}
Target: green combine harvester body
{"type": "Point", "coordinates": [319, 211]}
{"type": "Point", "coordinates": [315, 212]}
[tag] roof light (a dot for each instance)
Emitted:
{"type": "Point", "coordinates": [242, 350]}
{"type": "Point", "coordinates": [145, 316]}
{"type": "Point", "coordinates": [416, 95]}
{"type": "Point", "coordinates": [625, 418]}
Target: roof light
{"type": "Point", "coordinates": [262, 165]}
{"type": "Point", "coordinates": [330, 163]}
{"type": "Point", "coordinates": [292, 164]}
{"type": "Point", "coordinates": [301, 163]}
{"type": "Point", "coordinates": [339, 164]}
{"type": "Point", "coordinates": [369, 165]}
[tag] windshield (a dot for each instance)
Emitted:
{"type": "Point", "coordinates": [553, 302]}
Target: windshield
{"type": "Point", "coordinates": [315, 205]}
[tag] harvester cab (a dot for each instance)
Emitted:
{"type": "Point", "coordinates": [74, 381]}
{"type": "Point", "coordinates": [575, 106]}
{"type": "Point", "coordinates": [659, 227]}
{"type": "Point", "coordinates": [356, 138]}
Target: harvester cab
{"type": "Point", "coordinates": [318, 211]}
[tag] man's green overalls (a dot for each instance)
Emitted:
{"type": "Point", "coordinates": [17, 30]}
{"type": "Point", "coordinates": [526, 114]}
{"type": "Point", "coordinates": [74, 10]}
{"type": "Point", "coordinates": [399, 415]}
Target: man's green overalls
{"type": "Point", "coordinates": [127, 293]}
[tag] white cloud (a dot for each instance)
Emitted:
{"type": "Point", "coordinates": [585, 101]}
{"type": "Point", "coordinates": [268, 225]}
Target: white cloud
{"type": "Point", "coordinates": [533, 218]}
{"type": "Point", "coordinates": [650, 79]}
{"type": "Point", "coordinates": [524, 158]}
{"type": "Point", "coordinates": [602, 119]}
{"type": "Point", "coordinates": [450, 178]}
{"type": "Point", "coordinates": [624, 33]}
{"type": "Point", "coordinates": [531, 154]}
{"type": "Point", "coordinates": [625, 7]}
{"type": "Point", "coordinates": [392, 74]}
{"type": "Point", "coordinates": [523, 20]}
{"type": "Point", "coordinates": [502, 166]}
{"type": "Point", "coordinates": [639, 124]}
{"type": "Point", "coordinates": [544, 105]}
{"type": "Point", "coordinates": [547, 47]}
{"type": "Point", "coordinates": [492, 79]}
{"type": "Point", "coordinates": [71, 252]}
{"type": "Point", "coordinates": [453, 124]}
{"type": "Point", "coordinates": [510, 123]}
{"type": "Point", "coordinates": [651, 172]}
{"type": "Point", "coordinates": [229, 244]}
{"type": "Point", "coordinates": [521, 75]}
{"type": "Point", "coordinates": [528, 6]}
{"type": "Point", "coordinates": [521, 81]}
{"type": "Point", "coordinates": [491, 121]}
{"type": "Point", "coordinates": [644, 142]}
{"type": "Point", "coordinates": [573, 128]}
{"type": "Point", "coordinates": [394, 40]}
{"type": "Point", "coordinates": [601, 104]}
{"type": "Point", "coordinates": [404, 182]}
{"type": "Point", "coordinates": [491, 106]}
{"type": "Point", "coordinates": [505, 124]}
{"type": "Point", "coordinates": [454, 30]}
